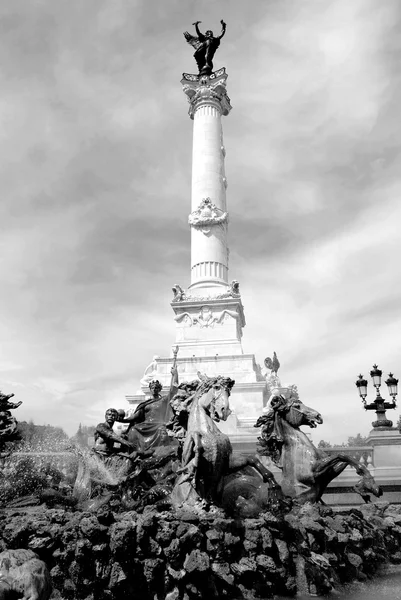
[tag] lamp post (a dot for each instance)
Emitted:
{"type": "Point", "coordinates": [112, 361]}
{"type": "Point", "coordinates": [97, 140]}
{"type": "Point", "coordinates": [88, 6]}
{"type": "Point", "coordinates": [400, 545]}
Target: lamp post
{"type": "Point", "coordinates": [379, 404]}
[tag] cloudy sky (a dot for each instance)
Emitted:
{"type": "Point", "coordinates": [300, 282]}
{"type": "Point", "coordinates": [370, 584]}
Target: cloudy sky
{"type": "Point", "coordinates": [95, 194]}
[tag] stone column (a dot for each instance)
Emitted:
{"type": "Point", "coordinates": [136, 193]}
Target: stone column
{"type": "Point", "coordinates": [208, 101]}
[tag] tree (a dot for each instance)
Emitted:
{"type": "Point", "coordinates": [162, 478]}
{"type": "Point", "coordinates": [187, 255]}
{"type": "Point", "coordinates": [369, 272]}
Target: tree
{"type": "Point", "coordinates": [358, 440]}
{"type": "Point", "coordinates": [81, 437]}
{"type": "Point", "coordinates": [324, 444]}
{"type": "Point", "coordinates": [42, 438]}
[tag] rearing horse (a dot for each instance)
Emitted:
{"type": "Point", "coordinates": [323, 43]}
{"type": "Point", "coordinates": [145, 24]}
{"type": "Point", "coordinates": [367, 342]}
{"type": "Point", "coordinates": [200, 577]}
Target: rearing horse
{"type": "Point", "coordinates": [207, 456]}
{"type": "Point", "coordinates": [307, 471]}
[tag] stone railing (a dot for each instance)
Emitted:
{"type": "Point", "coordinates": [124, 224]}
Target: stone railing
{"type": "Point", "coordinates": [363, 454]}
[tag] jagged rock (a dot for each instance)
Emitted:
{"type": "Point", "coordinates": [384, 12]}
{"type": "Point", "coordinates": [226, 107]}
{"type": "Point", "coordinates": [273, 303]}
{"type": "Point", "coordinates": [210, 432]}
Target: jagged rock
{"type": "Point", "coordinates": [75, 571]}
{"type": "Point", "coordinates": [310, 525]}
{"type": "Point", "coordinates": [153, 569]}
{"type": "Point", "coordinates": [267, 539]}
{"type": "Point", "coordinates": [283, 551]}
{"type": "Point", "coordinates": [22, 574]}
{"type": "Point", "coordinates": [173, 553]}
{"type": "Point", "coordinates": [222, 570]}
{"type": "Point", "coordinates": [343, 538]}
{"type": "Point", "coordinates": [173, 595]}
{"type": "Point", "coordinates": [102, 570]}
{"type": "Point", "coordinates": [99, 548]}
{"type": "Point", "coordinates": [186, 516]}
{"type": "Point", "coordinates": [176, 575]}
{"type": "Point", "coordinates": [117, 576]}
{"type": "Point", "coordinates": [122, 536]}
{"type": "Point", "coordinates": [83, 548]}
{"type": "Point", "coordinates": [355, 536]}
{"type": "Point", "coordinates": [266, 563]}
{"type": "Point", "coordinates": [92, 529]}
{"type": "Point", "coordinates": [231, 540]}
{"type": "Point", "coordinates": [273, 521]}
{"type": "Point", "coordinates": [196, 561]}
{"type": "Point", "coordinates": [41, 543]}
{"type": "Point", "coordinates": [57, 575]}
{"type": "Point", "coordinates": [165, 533]}
{"type": "Point", "coordinates": [69, 588]}
{"type": "Point", "coordinates": [246, 593]}
{"type": "Point", "coordinates": [354, 559]}
{"type": "Point", "coordinates": [245, 565]}
{"type": "Point", "coordinates": [213, 535]}
{"type": "Point", "coordinates": [17, 532]}
{"type": "Point", "coordinates": [334, 523]}
{"type": "Point", "coordinates": [192, 538]}
{"type": "Point", "coordinates": [253, 537]}
{"type": "Point", "coordinates": [105, 516]}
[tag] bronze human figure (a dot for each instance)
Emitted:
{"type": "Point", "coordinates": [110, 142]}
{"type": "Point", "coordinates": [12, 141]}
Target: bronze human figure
{"type": "Point", "coordinates": [106, 438]}
{"type": "Point", "coordinates": [148, 423]}
{"type": "Point", "coordinates": [205, 47]}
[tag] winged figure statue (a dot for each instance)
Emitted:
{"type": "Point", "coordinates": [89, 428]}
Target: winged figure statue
{"type": "Point", "coordinates": [205, 47]}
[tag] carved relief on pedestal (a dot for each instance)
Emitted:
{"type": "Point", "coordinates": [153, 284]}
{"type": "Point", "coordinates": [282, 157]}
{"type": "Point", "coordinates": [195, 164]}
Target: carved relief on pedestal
{"type": "Point", "coordinates": [207, 214]}
{"type": "Point", "coordinates": [206, 317]}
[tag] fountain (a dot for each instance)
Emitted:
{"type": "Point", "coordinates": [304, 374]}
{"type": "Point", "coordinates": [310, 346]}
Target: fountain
{"type": "Point", "coordinates": [185, 519]}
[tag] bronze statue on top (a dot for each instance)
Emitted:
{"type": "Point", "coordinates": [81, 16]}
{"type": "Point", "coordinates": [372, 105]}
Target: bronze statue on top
{"type": "Point", "coordinates": [205, 47]}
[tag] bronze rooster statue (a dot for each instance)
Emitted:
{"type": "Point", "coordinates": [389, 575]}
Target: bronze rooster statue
{"type": "Point", "coordinates": [272, 365]}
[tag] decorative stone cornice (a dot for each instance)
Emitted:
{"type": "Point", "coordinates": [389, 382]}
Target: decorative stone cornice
{"type": "Point", "coordinates": [181, 295]}
{"type": "Point", "coordinates": [207, 214]}
{"type": "Point", "coordinates": [206, 89]}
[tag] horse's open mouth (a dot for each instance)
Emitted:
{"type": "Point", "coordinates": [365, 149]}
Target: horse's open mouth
{"type": "Point", "coordinates": [313, 423]}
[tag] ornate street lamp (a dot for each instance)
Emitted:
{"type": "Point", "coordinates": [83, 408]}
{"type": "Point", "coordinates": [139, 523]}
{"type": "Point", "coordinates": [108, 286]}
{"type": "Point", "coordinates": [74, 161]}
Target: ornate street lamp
{"type": "Point", "coordinates": [379, 404]}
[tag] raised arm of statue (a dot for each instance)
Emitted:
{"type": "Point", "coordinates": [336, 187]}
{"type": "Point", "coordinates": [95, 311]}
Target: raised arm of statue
{"type": "Point", "coordinates": [174, 377]}
{"type": "Point", "coordinates": [223, 29]}
{"type": "Point", "coordinates": [136, 417]}
{"type": "Point", "coordinates": [198, 33]}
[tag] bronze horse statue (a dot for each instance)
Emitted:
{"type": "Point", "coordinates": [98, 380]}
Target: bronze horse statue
{"type": "Point", "coordinates": [207, 461]}
{"type": "Point", "coordinates": [307, 471]}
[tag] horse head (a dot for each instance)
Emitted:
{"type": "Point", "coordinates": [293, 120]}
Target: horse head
{"type": "Point", "coordinates": [283, 408]}
{"type": "Point", "coordinates": [295, 412]}
{"type": "Point", "coordinates": [213, 394]}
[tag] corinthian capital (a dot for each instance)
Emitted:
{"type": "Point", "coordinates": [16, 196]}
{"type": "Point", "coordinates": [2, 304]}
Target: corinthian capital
{"type": "Point", "coordinates": [206, 89]}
